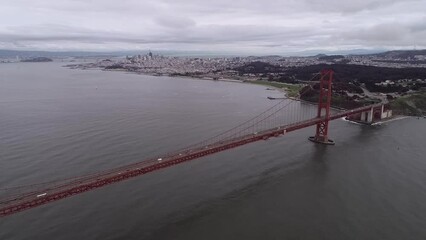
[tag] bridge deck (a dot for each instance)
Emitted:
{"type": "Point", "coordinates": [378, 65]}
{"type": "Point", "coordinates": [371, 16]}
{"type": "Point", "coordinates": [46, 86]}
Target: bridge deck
{"type": "Point", "coordinates": [84, 184]}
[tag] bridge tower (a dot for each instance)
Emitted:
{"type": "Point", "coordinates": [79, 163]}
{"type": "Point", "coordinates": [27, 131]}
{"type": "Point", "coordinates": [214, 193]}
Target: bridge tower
{"type": "Point", "coordinates": [321, 135]}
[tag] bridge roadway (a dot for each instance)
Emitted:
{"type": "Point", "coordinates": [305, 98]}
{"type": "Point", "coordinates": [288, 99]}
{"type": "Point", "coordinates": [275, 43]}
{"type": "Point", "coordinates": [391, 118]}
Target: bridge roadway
{"type": "Point", "coordinates": [79, 185]}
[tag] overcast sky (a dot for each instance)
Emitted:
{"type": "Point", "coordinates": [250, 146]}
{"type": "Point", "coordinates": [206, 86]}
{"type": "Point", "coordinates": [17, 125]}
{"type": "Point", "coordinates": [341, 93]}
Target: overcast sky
{"type": "Point", "coordinates": [239, 26]}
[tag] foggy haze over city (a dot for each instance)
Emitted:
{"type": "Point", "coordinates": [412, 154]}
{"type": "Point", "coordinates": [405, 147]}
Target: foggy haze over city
{"type": "Point", "coordinates": [240, 26]}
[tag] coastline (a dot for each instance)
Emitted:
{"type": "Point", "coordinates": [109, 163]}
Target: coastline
{"type": "Point", "coordinates": [392, 119]}
{"type": "Point", "coordinates": [273, 85]}
{"type": "Point", "coordinates": [166, 75]}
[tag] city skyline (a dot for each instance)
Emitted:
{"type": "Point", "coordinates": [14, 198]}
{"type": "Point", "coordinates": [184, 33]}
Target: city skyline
{"type": "Point", "coordinates": [237, 27]}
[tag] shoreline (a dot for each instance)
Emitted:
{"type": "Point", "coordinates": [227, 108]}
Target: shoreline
{"type": "Point", "coordinates": [392, 119]}
{"type": "Point", "coordinates": [166, 75]}
{"type": "Point", "coordinates": [283, 89]}
{"type": "Point", "coordinates": [253, 82]}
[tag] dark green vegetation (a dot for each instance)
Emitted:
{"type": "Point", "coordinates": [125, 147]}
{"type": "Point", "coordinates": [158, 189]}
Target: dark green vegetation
{"type": "Point", "coordinates": [258, 67]}
{"type": "Point", "coordinates": [291, 89]}
{"type": "Point", "coordinates": [401, 54]}
{"type": "Point", "coordinates": [414, 104]}
{"type": "Point", "coordinates": [311, 94]}
{"type": "Point", "coordinates": [349, 78]}
{"type": "Point", "coordinates": [331, 57]}
{"type": "Point", "coordinates": [37, 59]}
{"type": "Point", "coordinates": [344, 73]}
{"type": "Point", "coordinates": [402, 61]}
{"type": "Point", "coordinates": [355, 73]}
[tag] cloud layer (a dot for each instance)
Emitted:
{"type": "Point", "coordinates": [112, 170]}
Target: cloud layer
{"type": "Point", "coordinates": [238, 26]}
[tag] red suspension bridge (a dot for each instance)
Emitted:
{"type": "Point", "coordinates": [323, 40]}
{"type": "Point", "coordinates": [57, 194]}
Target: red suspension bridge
{"type": "Point", "coordinates": [278, 120]}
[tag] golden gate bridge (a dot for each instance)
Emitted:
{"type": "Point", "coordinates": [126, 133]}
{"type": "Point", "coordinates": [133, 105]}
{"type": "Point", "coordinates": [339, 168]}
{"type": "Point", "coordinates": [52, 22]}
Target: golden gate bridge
{"type": "Point", "coordinates": [276, 121]}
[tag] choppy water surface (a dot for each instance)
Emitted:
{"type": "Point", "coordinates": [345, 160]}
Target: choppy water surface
{"type": "Point", "coordinates": [56, 122]}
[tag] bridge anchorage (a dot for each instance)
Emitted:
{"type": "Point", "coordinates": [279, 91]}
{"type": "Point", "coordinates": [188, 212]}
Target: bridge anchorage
{"type": "Point", "coordinates": [324, 102]}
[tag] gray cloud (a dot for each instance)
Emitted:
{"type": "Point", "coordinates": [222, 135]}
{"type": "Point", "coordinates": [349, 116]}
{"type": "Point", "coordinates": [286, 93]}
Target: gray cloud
{"type": "Point", "coordinates": [350, 6]}
{"type": "Point", "coordinates": [267, 26]}
{"type": "Point", "coordinates": [175, 22]}
{"type": "Point", "coordinates": [388, 34]}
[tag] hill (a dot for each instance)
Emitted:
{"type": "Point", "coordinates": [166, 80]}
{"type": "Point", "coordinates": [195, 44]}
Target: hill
{"type": "Point", "coordinates": [37, 59]}
{"type": "Point", "coordinates": [401, 54]}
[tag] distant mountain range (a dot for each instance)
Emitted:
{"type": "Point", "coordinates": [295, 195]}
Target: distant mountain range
{"type": "Point", "coordinates": [37, 59]}
{"type": "Point", "coordinates": [403, 54]}
{"type": "Point", "coordinates": [338, 52]}
{"type": "Point", "coordinates": [59, 54]}
{"type": "Point", "coordinates": [31, 54]}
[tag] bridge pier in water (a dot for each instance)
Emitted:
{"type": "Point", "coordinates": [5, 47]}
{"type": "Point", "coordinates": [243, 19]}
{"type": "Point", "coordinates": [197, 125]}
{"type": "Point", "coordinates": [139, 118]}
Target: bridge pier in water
{"type": "Point", "coordinates": [372, 115]}
{"type": "Point", "coordinates": [367, 117]}
{"type": "Point", "coordinates": [321, 135]}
